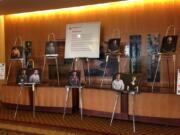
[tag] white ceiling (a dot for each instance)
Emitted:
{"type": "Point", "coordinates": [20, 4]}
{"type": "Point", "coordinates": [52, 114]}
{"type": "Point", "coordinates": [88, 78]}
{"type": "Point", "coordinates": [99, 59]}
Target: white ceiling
{"type": "Point", "coordinates": [19, 6]}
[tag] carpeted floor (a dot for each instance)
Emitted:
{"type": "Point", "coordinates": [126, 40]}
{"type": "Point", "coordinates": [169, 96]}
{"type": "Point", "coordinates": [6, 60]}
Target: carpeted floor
{"type": "Point", "coordinates": [14, 132]}
{"type": "Point", "coordinates": [73, 125]}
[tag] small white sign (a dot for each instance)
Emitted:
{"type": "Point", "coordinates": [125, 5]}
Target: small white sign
{"type": "Point", "coordinates": [2, 71]}
{"type": "Point", "coordinates": [178, 83]}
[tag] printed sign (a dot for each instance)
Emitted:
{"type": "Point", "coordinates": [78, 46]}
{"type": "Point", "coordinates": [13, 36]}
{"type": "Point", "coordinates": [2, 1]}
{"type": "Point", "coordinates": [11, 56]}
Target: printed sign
{"type": "Point", "coordinates": [2, 71]}
{"type": "Point", "coordinates": [178, 82]}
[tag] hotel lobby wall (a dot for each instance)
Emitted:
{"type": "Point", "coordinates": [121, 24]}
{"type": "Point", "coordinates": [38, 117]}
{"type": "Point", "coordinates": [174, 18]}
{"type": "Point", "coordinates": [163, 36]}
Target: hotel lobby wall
{"type": "Point", "coordinates": [150, 16]}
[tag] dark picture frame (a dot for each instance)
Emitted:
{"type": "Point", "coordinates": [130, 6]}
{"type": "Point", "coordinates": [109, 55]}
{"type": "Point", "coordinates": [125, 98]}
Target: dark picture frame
{"type": "Point", "coordinates": [169, 44]}
{"type": "Point", "coordinates": [17, 52]}
{"type": "Point", "coordinates": [51, 48]}
{"type": "Point", "coordinates": [74, 78]}
{"type": "Point", "coordinates": [25, 76]}
{"type": "Point", "coordinates": [114, 45]}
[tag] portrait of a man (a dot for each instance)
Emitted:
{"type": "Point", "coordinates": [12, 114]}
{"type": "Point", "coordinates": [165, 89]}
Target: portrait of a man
{"type": "Point", "coordinates": [51, 48]}
{"type": "Point", "coordinates": [22, 76]}
{"type": "Point", "coordinates": [74, 78]}
{"type": "Point", "coordinates": [17, 52]}
{"type": "Point", "coordinates": [169, 44]}
{"type": "Point", "coordinates": [34, 76]}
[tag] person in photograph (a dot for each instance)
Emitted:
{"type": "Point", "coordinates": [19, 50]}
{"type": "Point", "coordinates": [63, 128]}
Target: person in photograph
{"type": "Point", "coordinates": [35, 78]}
{"type": "Point", "coordinates": [15, 52]}
{"type": "Point", "coordinates": [133, 86]}
{"type": "Point", "coordinates": [118, 83]}
{"type": "Point", "coordinates": [50, 48]}
{"type": "Point", "coordinates": [74, 79]}
{"type": "Point", "coordinates": [23, 78]}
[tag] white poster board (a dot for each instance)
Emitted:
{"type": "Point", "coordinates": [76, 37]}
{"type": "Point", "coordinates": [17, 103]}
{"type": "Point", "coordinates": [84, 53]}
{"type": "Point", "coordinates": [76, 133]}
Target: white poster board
{"type": "Point", "coordinates": [2, 71]}
{"type": "Point", "coordinates": [82, 40]}
{"type": "Point", "coordinates": [178, 82]}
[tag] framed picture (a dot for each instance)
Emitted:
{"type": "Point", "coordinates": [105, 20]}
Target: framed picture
{"type": "Point", "coordinates": [169, 44]}
{"type": "Point", "coordinates": [134, 83]}
{"type": "Point", "coordinates": [34, 76]}
{"type": "Point", "coordinates": [17, 52]}
{"type": "Point", "coordinates": [118, 83]}
{"type": "Point", "coordinates": [28, 48]}
{"type": "Point", "coordinates": [74, 78]}
{"type": "Point", "coordinates": [114, 44]}
{"type": "Point", "coordinates": [22, 76]}
{"type": "Point", "coordinates": [51, 48]}
{"type": "Point", "coordinates": [26, 76]}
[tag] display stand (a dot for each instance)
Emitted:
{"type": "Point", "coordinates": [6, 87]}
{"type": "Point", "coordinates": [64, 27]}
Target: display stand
{"type": "Point", "coordinates": [68, 88]}
{"type": "Point", "coordinates": [108, 56]}
{"type": "Point", "coordinates": [118, 94]}
{"type": "Point", "coordinates": [133, 94]}
{"type": "Point", "coordinates": [47, 57]}
{"type": "Point", "coordinates": [166, 55]}
{"type": "Point", "coordinates": [51, 55]}
{"type": "Point", "coordinates": [16, 60]}
{"type": "Point", "coordinates": [168, 49]}
{"type": "Point", "coordinates": [10, 65]}
{"type": "Point", "coordinates": [73, 67]}
{"type": "Point", "coordinates": [22, 85]}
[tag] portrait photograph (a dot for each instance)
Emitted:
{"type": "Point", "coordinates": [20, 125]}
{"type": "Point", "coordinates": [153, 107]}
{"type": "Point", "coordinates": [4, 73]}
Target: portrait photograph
{"type": "Point", "coordinates": [114, 45]}
{"type": "Point", "coordinates": [22, 76]}
{"type": "Point", "coordinates": [34, 76]}
{"type": "Point", "coordinates": [17, 52]}
{"type": "Point", "coordinates": [28, 48]}
{"type": "Point", "coordinates": [51, 48]}
{"type": "Point", "coordinates": [118, 83]}
{"type": "Point", "coordinates": [169, 44]}
{"type": "Point", "coordinates": [74, 78]}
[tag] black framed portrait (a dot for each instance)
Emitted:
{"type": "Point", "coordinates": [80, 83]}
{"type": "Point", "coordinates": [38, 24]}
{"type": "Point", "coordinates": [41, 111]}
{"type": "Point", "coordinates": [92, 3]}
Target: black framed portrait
{"type": "Point", "coordinates": [74, 78]}
{"type": "Point", "coordinates": [26, 76]}
{"type": "Point", "coordinates": [34, 76]}
{"type": "Point", "coordinates": [22, 76]}
{"type": "Point", "coordinates": [169, 44]}
{"type": "Point", "coordinates": [17, 52]}
{"type": "Point", "coordinates": [28, 48]}
{"type": "Point", "coordinates": [114, 44]}
{"type": "Point", "coordinates": [51, 48]}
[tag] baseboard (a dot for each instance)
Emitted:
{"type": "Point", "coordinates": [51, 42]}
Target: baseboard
{"type": "Point", "coordinates": [39, 108]}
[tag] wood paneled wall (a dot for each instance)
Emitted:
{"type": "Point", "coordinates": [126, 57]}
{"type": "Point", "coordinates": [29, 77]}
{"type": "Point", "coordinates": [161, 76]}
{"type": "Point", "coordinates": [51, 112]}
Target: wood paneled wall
{"type": "Point", "coordinates": [155, 105]}
{"type": "Point", "coordinates": [143, 17]}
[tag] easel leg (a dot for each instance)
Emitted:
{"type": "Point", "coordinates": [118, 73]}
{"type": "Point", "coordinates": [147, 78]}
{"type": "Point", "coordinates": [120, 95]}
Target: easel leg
{"type": "Point", "coordinates": [66, 100]}
{"type": "Point", "coordinates": [81, 102]}
{"type": "Point", "coordinates": [18, 97]}
{"type": "Point", "coordinates": [9, 69]}
{"type": "Point", "coordinates": [174, 61]}
{"type": "Point", "coordinates": [22, 63]}
{"type": "Point", "coordinates": [134, 124]}
{"type": "Point", "coordinates": [114, 109]}
{"type": "Point", "coordinates": [168, 72]}
{"type": "Point", "coordinates": [88, 71]}
{"type": "Point", "coordinates": [44, 64]}
{"type": "Point", "coordinates": [107, 59]}
{"type": "Point", "coordinates": [156, 72]}
{"type": "Point", "coordinates": [57, 69]}
{"type": "Point", "coordinates": [34, 101]}
{"type": "Point", "coordinates": [118, 58]}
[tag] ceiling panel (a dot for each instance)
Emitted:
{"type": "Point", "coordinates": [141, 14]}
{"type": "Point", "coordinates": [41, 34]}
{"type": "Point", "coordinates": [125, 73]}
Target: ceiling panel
{"type": "Point", "coordinates": [19, 6]}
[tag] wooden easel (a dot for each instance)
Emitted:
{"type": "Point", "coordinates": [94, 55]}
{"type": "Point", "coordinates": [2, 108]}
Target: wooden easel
{"type": "Point", "coordinates": [76, 66]}
{"type": "Point", "coordinates": [54, 57]}
{"type": "Point", "coordinates": [167, 55]}
{"type": "Point", "coordinates": [108, 56]}
{"type": "Point", "coordinates": [21, 60]}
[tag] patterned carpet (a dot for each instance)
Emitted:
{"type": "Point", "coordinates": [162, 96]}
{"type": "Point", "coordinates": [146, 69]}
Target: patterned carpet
{"type": "Point", "coordinates": [13, 132]}
{"type": "Point", "coordinates": [73, 125]}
